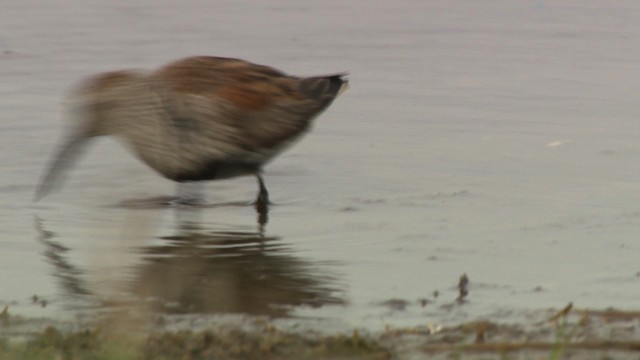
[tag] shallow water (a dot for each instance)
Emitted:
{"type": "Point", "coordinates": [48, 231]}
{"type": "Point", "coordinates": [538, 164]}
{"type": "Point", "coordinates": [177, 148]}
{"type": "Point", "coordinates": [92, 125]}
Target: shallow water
{"type": "Point", "coordinates": [496, 139]}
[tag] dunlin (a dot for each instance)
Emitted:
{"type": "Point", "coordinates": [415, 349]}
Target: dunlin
{"type": "Point", "coordinates": [199, 118]}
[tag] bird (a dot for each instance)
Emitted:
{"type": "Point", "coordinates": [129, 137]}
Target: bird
{"type": "Point", "coordinates": [196, 119]}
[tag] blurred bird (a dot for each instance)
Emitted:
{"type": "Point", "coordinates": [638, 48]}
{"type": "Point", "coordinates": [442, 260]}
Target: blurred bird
{"type": "Point", "coordinates": [199, 118]}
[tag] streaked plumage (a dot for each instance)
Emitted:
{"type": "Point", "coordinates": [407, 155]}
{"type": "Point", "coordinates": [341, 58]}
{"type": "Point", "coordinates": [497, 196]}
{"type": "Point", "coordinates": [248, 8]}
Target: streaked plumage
{"type": "Point", "coordinates": [199, 118]}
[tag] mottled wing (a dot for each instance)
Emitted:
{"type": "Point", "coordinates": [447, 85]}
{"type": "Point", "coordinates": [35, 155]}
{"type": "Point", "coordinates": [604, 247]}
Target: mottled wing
{"type": "Point", "coordinates": [229, 111]}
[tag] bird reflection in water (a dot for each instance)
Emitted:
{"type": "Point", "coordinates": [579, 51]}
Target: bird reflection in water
{"type": "Point", "coordinates": [69, 276]}
{"type": "Point", "coordinates": [207, 271]}
{"type": "Point", "coordinates": [228, 272]}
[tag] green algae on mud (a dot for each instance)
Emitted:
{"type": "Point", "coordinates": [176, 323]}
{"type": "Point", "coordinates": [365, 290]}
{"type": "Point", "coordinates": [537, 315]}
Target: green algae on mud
{"type": "Point", "coordinates": [210, 344]}
{"type": "Point", "coordinates": [566, 334]}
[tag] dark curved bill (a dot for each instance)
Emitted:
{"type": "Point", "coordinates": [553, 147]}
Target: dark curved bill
{"type": "Point", "coordinates": [64, 158]}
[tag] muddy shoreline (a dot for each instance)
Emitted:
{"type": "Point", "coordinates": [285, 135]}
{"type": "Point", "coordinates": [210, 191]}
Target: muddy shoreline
{"type": "Point", "coordinates": [565, 334]}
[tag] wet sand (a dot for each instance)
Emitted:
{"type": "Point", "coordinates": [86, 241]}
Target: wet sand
{"type": "Point", "coordinates": [497, 140]}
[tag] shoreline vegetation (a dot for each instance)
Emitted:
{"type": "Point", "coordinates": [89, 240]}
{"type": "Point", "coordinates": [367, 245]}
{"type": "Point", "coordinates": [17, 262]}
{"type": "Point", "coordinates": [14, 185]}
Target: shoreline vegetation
{"type": "Point", "coordinates": [565, 334]}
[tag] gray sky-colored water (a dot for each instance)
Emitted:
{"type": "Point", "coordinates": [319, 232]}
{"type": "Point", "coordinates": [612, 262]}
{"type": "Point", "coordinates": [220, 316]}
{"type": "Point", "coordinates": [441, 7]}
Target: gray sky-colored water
{"type": "Point", "coordinates": [494, 138]}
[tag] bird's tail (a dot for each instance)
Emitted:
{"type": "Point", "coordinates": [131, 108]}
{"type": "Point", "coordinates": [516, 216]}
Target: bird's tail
{"type": "Point", "coordinates": [325, 87]}
{"type": "Point", "coordinates": [339, 82]}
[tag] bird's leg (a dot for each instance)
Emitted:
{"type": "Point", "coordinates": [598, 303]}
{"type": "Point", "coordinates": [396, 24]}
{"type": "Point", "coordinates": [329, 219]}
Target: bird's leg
{"type": "Point", "coordinates": [189, 193]}
{"type": "Point", "coordinates": [262, 202]}
{"type": "Point", "coordinates": [263, 195]}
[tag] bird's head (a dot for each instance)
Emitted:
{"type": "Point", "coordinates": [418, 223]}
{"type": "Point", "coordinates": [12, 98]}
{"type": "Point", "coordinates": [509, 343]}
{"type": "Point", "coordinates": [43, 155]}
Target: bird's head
{"type": "Point", "coordinates": [93, 108]}
{"type": "Point", "coordinates": [95, 101]}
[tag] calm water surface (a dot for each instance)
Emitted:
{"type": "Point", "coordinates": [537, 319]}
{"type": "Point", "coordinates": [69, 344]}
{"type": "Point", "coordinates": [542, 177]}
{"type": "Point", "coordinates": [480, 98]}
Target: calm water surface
{"type": "Point", "coordinates": [498, 140]}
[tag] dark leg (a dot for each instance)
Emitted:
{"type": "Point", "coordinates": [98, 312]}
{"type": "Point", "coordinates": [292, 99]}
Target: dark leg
{"type": "Point", "coordinates": [262, 202]}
